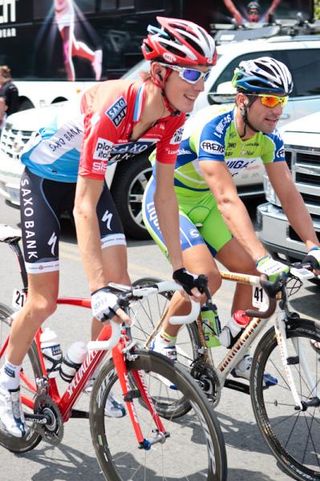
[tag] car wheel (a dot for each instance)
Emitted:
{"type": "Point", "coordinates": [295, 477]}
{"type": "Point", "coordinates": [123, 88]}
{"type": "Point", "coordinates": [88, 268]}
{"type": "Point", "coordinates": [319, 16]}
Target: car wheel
{"type": "Point", "coordinates": [127, 190]}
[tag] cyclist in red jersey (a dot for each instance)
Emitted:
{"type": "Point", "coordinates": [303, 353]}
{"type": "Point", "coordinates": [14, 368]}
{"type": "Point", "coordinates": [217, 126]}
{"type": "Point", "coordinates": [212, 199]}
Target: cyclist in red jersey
{"type": "Point", "coordinates": [122, 112]}
{"type": "Point", "coordinates": [118, 117]}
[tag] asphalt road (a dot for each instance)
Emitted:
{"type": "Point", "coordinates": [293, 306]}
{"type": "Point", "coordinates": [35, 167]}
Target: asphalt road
{"type": "Point", "coordinates": [74, 459]}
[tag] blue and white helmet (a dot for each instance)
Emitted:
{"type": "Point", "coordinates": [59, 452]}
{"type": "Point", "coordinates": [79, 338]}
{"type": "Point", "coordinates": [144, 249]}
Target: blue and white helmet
{"type": "Point", "coordinates": [263, 75]}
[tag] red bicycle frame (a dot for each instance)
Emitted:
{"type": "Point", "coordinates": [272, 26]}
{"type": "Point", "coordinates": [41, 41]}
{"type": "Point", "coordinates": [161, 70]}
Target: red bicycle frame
{"type": "Point", "coordinates": [87, 369]}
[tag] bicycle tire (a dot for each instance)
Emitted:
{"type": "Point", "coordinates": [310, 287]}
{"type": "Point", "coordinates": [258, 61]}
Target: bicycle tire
{"type": "Point", "coordinates": [147, 314]}
{"type": "Point", "coordinates": [293, 436]}
{"type": "Point", "coordinates": [115, 444]}
{"type": "Point", "coordinates": [30, 365]}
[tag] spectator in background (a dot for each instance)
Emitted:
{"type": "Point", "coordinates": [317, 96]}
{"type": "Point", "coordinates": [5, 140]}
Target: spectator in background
{"type": "Point", "coordinates": [8, 90]}
{"type": "Point", "coordinates": [252, 12]}
{"type": "Point", "coordinates": [3, 112]}
{"type": "Point", "coordinates": [64, 17]}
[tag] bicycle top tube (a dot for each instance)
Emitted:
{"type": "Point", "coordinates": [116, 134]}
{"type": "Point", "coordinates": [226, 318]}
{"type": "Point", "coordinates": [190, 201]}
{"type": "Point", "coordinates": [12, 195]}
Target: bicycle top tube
{"type": "Point", "coordinates": [75, 301]}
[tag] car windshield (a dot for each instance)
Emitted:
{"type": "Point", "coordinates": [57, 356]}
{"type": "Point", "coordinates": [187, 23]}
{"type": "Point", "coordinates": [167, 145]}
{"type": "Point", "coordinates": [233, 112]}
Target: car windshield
{"type": "Point", "coordinates": [133, 73]}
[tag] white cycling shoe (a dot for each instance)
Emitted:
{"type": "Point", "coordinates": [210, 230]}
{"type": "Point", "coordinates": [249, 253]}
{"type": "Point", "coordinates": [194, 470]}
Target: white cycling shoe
{"type": "Point", "coordinates": [243, 370]}
{"type": "Point", "coordinates": [11, 414]}
{"type": "Point", "coordinates": [159, 345]}
{"type": "Point", "coordinates": [114, 408]}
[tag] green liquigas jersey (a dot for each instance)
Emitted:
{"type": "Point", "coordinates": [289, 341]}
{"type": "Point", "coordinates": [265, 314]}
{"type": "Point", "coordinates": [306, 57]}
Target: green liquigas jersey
{"type": "Point", "coordinates": [208, 137]}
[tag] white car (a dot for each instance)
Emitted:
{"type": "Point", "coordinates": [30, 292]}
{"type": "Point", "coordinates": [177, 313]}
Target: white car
{"type": "Point", "coordinates": [127, 179]}
{"type": "Point", "coordinates": [302, 143]}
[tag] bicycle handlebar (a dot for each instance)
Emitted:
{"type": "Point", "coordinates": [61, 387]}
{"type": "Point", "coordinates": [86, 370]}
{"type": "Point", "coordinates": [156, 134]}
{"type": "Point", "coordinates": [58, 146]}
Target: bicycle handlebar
{"type": "Point", "coordinates": [126, 294]}
{"type": "Point", "coordinates": [165, 286]}
{"type": "Point", "coordinates": [111, 342]}
{"type": "Point", "coordinates": [187, 318]}
{"type": "Point", "coordinates": [263, 314]}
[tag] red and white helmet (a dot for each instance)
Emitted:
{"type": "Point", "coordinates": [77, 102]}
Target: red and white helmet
{"type": "Point", "coordinates": [179, 42]}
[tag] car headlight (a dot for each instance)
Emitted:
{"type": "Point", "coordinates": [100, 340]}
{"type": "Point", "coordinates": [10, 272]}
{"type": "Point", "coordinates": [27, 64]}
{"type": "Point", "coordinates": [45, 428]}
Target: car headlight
{"type": "Point", "coordinates": [269, 192]}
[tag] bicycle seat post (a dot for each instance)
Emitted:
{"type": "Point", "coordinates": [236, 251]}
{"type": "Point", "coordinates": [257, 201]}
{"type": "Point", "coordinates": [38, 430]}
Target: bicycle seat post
{"type": "Point", "coordinates": [15, 247]}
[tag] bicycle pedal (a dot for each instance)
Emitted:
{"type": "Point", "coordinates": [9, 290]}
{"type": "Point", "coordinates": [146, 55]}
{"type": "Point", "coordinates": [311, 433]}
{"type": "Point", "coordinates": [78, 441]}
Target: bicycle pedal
{"type": "Point", "coordinates": [292, 360]}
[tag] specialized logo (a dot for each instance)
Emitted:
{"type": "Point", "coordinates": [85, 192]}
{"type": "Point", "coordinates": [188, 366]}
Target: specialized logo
{"type": "Point", "coordinates": [107, 218]}
{"type": "Point", "coordinates": [102, 149]}
{"type": "Point", "coordinates": [117, 111]}
{"type": "Point", "coordinates": [212, 147]}
{"type": "Point", "coordinates": [52, 242]}
{"type": "Point", "coordinates": [177, 136]}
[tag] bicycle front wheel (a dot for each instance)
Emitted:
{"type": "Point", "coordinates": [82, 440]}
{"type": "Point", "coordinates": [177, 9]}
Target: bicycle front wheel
{"type": "Point", "coordinates": [148, 314]}
{"type": "Point", "coordinates": [194, 448]}
{"type": "Point", "coordinates": [293, 435]}
{"type": "Point", "coordinates": [30, 370]}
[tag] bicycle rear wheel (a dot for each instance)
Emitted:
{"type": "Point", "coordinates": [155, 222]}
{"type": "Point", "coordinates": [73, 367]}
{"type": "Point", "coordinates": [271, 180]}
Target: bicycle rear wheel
{"type": "Point", "coordinates": [293, 435]}
{"type": "Point", "coordinates": [116, 447]}
{"type": "Point", "coordinates": [147, 314]}
{"type": "Point", "coordinates": [30, 370]}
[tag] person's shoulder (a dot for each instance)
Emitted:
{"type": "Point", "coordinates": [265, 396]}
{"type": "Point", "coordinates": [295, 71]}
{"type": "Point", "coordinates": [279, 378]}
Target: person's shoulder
{"type": "Point", "coordinates": [9, 87]}
{"type": "Point", "coordinates": [12, 87]}
{"type": "Point", "coordinates": [124, 86]}
{"type": "Point", "coordinates": [275, 136]}
{"type": "Point", "coordinates": [207, 118]}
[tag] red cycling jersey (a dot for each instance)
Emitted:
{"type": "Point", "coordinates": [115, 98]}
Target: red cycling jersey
{"type": "Point", "coordinates": [111, 109]}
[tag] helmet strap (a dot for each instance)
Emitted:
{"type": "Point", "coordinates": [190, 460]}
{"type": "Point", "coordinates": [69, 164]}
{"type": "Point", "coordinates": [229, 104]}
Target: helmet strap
{"type": "Point", "coordinates": [161, 82]}
{"type": "Point", "coordinates": [244, 115]}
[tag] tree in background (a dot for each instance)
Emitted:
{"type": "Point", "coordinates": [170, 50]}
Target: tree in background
{"type": "Point", "coordinates": [317, 9]}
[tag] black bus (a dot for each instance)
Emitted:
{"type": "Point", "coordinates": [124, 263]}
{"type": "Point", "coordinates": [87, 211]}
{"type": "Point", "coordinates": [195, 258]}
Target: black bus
{"type": "Point", "coordinates": [46, 41]}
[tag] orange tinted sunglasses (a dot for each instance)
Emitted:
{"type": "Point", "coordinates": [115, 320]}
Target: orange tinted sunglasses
{"type": "Point", "coordinates": [272, 101]}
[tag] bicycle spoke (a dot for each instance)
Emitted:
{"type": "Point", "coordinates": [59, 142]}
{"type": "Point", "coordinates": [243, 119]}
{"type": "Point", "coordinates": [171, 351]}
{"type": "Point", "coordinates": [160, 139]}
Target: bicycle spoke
{"type": "Point", "coordinates": [293, 435]}
{"type": "Point", "coordinates": [117, 449]}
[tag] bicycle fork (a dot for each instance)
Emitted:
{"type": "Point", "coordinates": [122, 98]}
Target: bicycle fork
{"type": "Point", "coordinates": [280, 330]}
{"type": "Point", "coordinates": [129, 394]}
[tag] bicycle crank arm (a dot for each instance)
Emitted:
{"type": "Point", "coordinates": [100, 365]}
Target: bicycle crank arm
{"type": "Point", "coordinates": [237, 386]}
{"type": "Point", "coordinates": [159, 438]}
{"type": "Point", "coordinates": [79, 414]}
{"type": "Point", "coordinates": [37, 418]}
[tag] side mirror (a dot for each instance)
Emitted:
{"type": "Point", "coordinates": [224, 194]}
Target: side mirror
{"type": "Point", "coordinates": [225, 93]}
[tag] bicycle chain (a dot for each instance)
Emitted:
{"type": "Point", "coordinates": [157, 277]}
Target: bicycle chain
{"type": "Point", "coordinates": [53, 430]}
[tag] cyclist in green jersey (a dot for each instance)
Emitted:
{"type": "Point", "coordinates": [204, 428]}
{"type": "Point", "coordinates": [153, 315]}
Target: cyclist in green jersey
{"type": "Point", "coordinates": [214, 222]}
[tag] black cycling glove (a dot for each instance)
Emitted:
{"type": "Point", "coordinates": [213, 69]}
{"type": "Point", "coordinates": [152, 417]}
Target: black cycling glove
{"type": "Point", "coordinates": [188, 281]}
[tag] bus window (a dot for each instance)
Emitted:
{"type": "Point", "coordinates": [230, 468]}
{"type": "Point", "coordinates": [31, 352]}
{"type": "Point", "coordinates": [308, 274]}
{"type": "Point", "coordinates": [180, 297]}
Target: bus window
{"type": "Point", "coordinates": [108, 5]}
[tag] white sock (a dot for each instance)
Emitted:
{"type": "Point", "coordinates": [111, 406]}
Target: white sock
{"type": "Point", "coordinates": [10, 375]}
{"type": "Point", "coordinates": [167, 340]}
